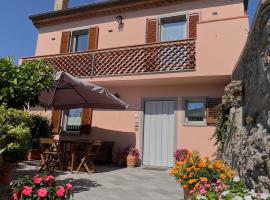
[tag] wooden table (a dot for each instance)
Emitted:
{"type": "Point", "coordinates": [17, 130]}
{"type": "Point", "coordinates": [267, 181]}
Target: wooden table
{"type": "Point", "coordinates": [70, 148]}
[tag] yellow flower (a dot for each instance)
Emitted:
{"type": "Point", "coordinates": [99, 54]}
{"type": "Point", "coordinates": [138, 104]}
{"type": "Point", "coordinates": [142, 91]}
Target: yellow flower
{"type": "Point", "coordinates": [191, 181]}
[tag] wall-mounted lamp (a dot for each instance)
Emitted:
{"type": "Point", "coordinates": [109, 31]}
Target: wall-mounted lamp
{"type": "Point", "coordinates": [119, 19]}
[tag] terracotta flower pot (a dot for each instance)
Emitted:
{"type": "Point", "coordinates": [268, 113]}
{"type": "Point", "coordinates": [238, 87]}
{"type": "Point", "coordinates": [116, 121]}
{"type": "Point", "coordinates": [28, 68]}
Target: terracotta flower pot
{"type": "Point", "coordinates": [187, 195]}
{"type": "Point", "coordinates": [131, 161]}
{"type": "Point", "coordinates": [34, 154]}
{"type": "Point", "coordinates": [6, 173]}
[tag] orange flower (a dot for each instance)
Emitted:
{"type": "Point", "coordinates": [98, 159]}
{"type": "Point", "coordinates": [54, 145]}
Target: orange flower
{"type": "Point", "coordinates": [179, 164]}
{"type": "Point", "coordinates": [190, 175]}
{"type": "Point", "coordinates": [210, 167]}
{"type": "Point", "coordinates": [188, 169]}
{"type": "Point", "coordinates": [185, 186]}
{"type": "Point", "coordinates": [202, 164]}
{"type": "Point", "coordinates": [173, 171]}
{"type": "Point", "coordinates": [222, 176]}
{"type": "Point", "coordinates": [179, 181]}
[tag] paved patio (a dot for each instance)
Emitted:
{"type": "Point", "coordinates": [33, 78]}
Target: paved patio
{"type": "Point", "coordinates": [112, 183]}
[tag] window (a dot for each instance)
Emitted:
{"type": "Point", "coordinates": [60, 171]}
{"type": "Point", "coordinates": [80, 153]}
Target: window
{"type": "Point", "coordinates": [195, 111]}
{"type": "Point", "coordinates": [173, 28]}
{"type": "Point", "coordinates": [79, 41]}
{"type": "Point", "coordinates": [72, 120]}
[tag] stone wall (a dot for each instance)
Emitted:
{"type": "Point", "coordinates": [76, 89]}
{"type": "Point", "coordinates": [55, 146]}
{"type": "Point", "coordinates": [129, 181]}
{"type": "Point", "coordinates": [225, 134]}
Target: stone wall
{"type": "Point", "coordinates": [247, 148]}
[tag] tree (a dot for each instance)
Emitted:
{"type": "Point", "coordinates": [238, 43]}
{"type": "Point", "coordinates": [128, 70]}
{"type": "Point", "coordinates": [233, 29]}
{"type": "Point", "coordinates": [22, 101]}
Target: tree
{"type": "Point", "coordinates": [21, 85]}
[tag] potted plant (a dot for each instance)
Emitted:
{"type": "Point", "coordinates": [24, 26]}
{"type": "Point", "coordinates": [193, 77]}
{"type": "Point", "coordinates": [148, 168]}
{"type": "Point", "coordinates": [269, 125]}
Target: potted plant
{"type": "Point", "coordinates": [40, 187]}
{"type": "Point", "coordinates": [40, 129]}
{"type": "Point", "coordinates": [14, 139]}
{"type": "Point", "coordinates": [197, 174]}
{"type": "Point", "coordinates": [133, 157]}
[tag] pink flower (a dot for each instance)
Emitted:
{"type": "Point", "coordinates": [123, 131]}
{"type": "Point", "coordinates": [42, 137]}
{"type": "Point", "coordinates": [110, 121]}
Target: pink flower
{"type": "Point", "coordinates": [203, 191]}
{"type": "Point", "coordinates": [37, 180]}
{"type": "Point", "coordinates": [46, 179]}
{"type": "Point", "coordinates": [42, 192]}
{"type": "Point", "coordinates": [60, 192]}
{"type": "Point", "coordinates": [69, 186]}
{"type": "Point", "coordinates": [49, 180]}
{"type": "Point", "coordinates": [191, 191]}
{"type": "Point", "coordinates": [27, 191]}
{"type": "Point", "coordinates": [15, 196]}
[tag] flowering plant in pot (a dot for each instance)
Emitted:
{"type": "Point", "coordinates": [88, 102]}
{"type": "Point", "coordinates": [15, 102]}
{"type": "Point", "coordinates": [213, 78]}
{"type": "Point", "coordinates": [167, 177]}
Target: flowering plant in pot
{"type": "Point", "coordinates": [40, 187]}
{"type": "Point", "coordinates": [196, 174]}
{"type": "Point", "coordinates": [181, 154]}
{"type": "Point", "coordinates": [133, 157]}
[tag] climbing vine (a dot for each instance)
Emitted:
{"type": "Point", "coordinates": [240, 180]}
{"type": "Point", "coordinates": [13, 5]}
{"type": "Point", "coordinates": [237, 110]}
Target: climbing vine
{"type": "Point", "coordinates": [232, 98]}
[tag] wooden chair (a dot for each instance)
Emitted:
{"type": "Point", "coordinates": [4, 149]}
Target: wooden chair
{"type": "Point", "coordinates": [91, 150]}
{"type": "Point", "coordinates": [50, 156]}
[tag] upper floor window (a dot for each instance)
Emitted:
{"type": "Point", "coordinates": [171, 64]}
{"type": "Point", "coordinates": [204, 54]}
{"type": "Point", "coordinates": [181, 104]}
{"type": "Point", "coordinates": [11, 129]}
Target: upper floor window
{"type": "Point", "coordinates": [72, 120]}
{"type": "Point", "coordinates": [79, 41]}
{"type": "Point", "coordinates": [173, 28]}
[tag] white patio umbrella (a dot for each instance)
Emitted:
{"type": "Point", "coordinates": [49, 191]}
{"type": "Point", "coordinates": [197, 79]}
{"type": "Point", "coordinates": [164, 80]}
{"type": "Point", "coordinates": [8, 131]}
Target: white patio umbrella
{"type": "Point", "coordinates": [69, 92]}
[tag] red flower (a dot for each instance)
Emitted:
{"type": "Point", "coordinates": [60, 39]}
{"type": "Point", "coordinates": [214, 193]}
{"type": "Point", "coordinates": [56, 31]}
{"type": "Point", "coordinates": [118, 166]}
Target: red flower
{"type": "Point", "coordinates": [37, 180]}
{"type": "Point", "coordinates": [27, 191]}
{"type": "Point", "coordinates": [69, 186]}
{"type": "Point", "coordinates": [42, 192]}
{"type": "Point", "coordinates": [60, 192]}
{"type": "Point", "coordinates": [15, 196]}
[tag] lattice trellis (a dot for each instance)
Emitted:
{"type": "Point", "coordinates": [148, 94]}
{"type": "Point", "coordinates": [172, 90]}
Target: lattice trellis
{"type": "Point", "coordinates": [162, 57]}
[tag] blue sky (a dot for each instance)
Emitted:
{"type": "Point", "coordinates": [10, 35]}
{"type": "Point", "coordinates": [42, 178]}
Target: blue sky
{"type": "Point", "coordinates": [18, 35]}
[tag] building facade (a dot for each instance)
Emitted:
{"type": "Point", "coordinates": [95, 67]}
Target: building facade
{"type": "Point", "coordinates": [168, 59]}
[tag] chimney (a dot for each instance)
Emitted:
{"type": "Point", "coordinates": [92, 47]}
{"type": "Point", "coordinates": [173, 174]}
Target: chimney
{"type": "Point", "coordinates": [60, 4]}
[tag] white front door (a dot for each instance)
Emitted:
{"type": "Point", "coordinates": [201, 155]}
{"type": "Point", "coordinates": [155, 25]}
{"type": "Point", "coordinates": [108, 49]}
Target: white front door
{"type": "Point", "coordinates": [159, 133]}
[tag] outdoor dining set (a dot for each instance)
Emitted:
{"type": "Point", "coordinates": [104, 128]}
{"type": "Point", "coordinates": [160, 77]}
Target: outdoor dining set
{"type": "Point", "coordinates": [68, 154]}
{"type": "Point", "coordinates": [69, 92]}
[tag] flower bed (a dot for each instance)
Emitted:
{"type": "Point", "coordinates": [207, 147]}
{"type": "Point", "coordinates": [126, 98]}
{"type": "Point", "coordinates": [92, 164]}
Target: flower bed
{"type": "Point", "coordinates": [205, 179]}
{"type": "Point", "coordinates": [41, 188]}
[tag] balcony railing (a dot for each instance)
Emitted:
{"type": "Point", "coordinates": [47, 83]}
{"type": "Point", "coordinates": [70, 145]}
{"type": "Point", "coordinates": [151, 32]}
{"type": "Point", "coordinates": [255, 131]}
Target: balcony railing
{"type": "Point", "coordinates": [177, 56]}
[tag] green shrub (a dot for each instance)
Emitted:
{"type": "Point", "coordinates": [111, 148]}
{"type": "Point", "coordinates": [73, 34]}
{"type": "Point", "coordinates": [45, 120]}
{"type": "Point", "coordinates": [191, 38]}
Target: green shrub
{"type": "Point", "coordinates": [40, 129]}
{"type": "Point", "coordinates": [14, 133]}
{"type": "Point", "coordinates": [21, 85]}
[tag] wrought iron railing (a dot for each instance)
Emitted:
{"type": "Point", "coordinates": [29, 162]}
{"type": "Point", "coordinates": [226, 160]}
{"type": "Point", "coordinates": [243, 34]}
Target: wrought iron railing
{"type": "Point", "coordinates": [174, 56]}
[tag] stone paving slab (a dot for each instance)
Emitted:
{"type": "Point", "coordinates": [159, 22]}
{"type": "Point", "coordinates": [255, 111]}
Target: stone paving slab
{"type": "Point", "coordinates": [112, 183]}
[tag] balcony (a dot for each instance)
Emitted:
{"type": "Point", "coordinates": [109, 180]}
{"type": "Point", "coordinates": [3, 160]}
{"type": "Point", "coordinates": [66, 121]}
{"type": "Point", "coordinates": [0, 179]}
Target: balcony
{"type": "Point", "coordinates": [176, 56]}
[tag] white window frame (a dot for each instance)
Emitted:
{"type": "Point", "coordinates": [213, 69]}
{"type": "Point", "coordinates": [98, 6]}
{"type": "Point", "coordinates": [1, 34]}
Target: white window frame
{"type": "Point", "coordinates": [186, 122]}
{"type": "Point", "coordinates": [178, 14]}
{"type": "Point", "coordinates": [64, 124]}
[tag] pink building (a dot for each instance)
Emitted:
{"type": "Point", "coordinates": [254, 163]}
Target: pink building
{"type": "Point", "coordinates": [168, 59]}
